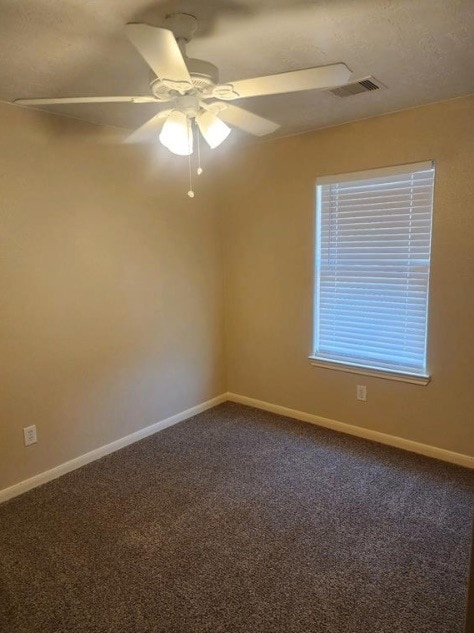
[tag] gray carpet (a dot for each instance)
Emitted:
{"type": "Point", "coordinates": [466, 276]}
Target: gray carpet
{"type": "Point", "coordinates": [241, 521]}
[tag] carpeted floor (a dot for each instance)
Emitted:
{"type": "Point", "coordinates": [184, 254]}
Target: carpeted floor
{"type": "Point", "coordinates": [241, 521]}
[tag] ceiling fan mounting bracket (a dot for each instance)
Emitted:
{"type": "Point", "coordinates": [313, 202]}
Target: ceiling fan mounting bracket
{"type": "Point", "coordinates": [182, 25]}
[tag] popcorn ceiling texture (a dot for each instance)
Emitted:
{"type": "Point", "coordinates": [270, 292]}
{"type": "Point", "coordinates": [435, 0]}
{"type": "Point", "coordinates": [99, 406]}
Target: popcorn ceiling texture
{"type": "Point", "coordinates": [240, 520]}
{"type": "Point", "coordinates": [421, 50]}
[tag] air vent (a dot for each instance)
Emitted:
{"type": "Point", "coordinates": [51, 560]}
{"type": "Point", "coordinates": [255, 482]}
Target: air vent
{"type": "Point", "coordinates": [358, 87]}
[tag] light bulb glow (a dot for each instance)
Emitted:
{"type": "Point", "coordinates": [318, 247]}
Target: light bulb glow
{"type": "Point", "coordinates": [177, 135]}
{"type": "Point", "coordinates": [213, 129]}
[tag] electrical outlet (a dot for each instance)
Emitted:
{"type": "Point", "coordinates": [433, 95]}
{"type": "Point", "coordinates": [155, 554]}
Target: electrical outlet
{"type": "Point", "coordinates": [362, 393]}
{"type": "Point", "coordinates": [29, 434]}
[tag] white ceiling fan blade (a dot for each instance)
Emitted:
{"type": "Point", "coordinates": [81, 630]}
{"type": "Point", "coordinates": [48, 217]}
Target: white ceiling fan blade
{"type": "Point", "coordinates": [321, 78]}
{"type": "Point", "coordinates": [65, 100]}
{"type": "Point", "coordinates": [160, 50]}
{"type": "Point", "coordinates": [247, 121]}
{"type": "Point", "coordinates": [149, 128]}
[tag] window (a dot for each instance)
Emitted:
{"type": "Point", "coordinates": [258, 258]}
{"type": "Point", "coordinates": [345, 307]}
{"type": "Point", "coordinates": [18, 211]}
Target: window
{"type": "Point", "coordinates": [373, 243]}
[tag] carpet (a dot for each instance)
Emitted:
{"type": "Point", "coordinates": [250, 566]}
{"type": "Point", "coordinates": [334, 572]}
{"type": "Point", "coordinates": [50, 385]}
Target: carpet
{"type": "Point", "coordinates": [241, 521]}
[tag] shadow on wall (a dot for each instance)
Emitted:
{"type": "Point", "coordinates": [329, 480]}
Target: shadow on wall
{"type": "Point", "coordinates": [111, 312]}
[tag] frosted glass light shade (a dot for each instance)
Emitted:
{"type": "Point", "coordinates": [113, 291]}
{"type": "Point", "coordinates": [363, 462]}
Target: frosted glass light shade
{"type": "Point", "coordinates": [177, 135]}
{"type": "Point", "coordinates": [213, 129]}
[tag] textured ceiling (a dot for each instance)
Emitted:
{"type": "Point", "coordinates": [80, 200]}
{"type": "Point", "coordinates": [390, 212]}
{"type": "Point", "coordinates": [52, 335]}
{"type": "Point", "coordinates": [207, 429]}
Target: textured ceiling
{"type": "Point", "coordinates": [422, 50]}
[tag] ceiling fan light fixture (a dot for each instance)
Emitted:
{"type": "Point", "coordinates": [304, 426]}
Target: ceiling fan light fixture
{"type": "Point", "coordinates": [212, 128]}
{"type": "Point", "coordinates": [176, 134]}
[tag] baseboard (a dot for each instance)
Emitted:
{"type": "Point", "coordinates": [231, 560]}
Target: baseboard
{"type": "Point", "coordinates": [382, 438]}
{"type": "Point", "coordinates": [97, 453]}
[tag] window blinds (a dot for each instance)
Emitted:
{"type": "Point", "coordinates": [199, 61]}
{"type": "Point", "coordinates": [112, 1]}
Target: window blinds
{"type": "Point", "coordinates": [372, 268]}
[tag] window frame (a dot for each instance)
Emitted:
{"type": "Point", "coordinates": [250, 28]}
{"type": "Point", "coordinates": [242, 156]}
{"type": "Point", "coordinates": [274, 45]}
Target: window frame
{"type": "Point", "coordinates": [418, 378]}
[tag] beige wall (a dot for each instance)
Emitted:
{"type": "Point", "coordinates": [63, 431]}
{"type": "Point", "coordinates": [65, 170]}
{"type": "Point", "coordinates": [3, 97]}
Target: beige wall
{"type": "Point", "coordinates": [269, 200]}
{"type": "Point", "coordinates": [110, 286]}
{"type": "Point", "coordinates": [111, 282]}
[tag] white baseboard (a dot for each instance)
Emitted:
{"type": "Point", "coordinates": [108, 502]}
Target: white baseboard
{"type": "Point", "coordinates": [97, 453]}
{"type": "Point", "coordinates": [383, 438]}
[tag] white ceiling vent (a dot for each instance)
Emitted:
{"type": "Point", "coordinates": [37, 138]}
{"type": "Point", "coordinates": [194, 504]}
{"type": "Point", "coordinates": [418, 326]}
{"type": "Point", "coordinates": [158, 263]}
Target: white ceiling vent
{"type": "Point", "coordinates": [358, 87]}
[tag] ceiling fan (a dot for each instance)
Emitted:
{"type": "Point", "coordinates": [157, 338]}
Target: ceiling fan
{"type": "Point", "coordinates": [191, 87]}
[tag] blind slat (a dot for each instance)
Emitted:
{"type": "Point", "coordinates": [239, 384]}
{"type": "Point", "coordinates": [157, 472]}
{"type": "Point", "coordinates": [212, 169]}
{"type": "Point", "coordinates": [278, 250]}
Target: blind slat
{"type": "Point", "coordinates": [372, 268]}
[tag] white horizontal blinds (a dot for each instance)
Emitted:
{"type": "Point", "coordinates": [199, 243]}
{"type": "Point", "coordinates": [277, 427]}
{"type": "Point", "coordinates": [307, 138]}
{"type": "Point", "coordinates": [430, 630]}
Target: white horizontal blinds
{"type": "Point", "coordinates": [372, 269]}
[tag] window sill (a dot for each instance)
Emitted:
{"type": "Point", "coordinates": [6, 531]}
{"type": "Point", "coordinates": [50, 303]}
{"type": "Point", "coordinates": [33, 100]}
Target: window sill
{"type": "Point", "coordinates": [365, 371]}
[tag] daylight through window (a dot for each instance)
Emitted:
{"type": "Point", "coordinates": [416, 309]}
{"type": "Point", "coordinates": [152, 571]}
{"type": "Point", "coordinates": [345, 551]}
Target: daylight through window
{"type": "Point", "coordinates": [373, 247]}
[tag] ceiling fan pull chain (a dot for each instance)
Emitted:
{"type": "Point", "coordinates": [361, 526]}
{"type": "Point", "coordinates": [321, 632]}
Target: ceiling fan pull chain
{"type": "Point", "coordinates": [199, 168]}
{"type": "Point", "coordinates": [191, 191]}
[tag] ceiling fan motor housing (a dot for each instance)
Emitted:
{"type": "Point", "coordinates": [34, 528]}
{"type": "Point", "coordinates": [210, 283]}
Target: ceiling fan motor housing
{"type": "Point", "coordinates": [204, 76]}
